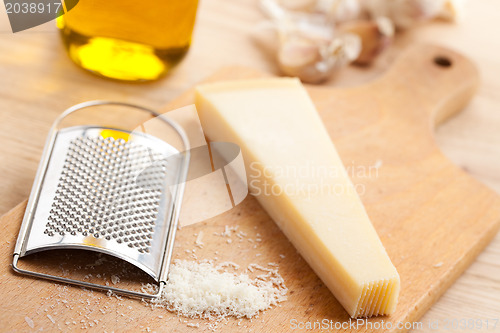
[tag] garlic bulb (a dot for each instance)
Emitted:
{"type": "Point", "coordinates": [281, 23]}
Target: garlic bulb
{"type": "Point", "coordinates": [312, 39]}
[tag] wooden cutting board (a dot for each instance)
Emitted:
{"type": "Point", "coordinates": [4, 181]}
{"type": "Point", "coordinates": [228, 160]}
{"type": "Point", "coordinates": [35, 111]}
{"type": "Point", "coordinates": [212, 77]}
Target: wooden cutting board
{"type": "Point", "coordinates": [432, 217]}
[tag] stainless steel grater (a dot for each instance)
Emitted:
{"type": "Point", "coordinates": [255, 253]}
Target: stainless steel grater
{"type": "Point", "coordinates": [110, 181]}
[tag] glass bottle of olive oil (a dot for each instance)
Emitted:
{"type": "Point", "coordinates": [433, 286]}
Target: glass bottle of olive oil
{"type": "Point", "coordinates": [128, 39]}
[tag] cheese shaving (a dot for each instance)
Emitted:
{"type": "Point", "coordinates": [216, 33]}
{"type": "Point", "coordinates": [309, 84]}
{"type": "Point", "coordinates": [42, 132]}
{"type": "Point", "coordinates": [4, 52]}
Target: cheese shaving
{"type": "Point", "coordinates": [199, 241]}
{"type": "Point", "coordinates": [203, 290]}
{"type": "Point", "coordinates": [29, 321]}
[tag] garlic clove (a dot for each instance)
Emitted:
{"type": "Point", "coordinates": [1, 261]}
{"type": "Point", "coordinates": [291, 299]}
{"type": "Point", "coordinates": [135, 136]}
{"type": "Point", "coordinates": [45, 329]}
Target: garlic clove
{"type": "Point", "coordinates": [314, 60]}
{"type": "Point", "coordinates": [298, 56]}
{"type": "Point", "coordinates": [298, 52]}
{"type": "Point", "coordinates": [351, 47]}
{"type": "Point", "coordinates": [375, 36]}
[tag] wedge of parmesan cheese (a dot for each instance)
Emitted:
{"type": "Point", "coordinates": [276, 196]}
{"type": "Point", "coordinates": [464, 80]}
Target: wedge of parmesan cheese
{"type": "Point", "coordinates": [296, 174]}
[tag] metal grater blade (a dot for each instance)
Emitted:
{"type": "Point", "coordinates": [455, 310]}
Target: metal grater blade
{"type": "Point", "coordinates": [90, 197]}
{"type": "Point", "coordinates": [110, 191]}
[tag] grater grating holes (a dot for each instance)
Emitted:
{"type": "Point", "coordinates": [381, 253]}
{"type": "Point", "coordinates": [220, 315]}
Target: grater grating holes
{"type": "Point", "coordinates": [97, 194]}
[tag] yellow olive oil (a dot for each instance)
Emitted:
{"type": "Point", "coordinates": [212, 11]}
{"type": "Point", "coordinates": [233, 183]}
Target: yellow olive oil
{"type": "Point", "coordinates": [128, 39]}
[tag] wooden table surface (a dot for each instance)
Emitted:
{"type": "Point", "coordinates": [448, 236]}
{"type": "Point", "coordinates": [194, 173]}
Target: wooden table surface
{"type": "Point", "coordinates": [38, 81]}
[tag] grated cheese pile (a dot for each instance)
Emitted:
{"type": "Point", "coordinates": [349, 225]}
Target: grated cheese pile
{"type": "Point", "coordinates": [204, 290]}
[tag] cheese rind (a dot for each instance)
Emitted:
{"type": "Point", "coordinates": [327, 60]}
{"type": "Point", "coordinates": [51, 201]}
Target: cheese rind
{"type": "Point", "coordinates": [296, 174]}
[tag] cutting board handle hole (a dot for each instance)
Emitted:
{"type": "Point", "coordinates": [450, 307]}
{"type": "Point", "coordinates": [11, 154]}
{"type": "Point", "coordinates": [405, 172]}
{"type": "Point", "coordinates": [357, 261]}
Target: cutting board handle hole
{"type": "Point", "coordinates": [443, 61]}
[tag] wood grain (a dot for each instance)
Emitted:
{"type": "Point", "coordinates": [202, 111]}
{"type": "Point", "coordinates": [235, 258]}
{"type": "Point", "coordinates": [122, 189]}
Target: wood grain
{"type": "Point", "coordinates": [419, 203]}
{"type": "Point", "coordinates": [38, 82]}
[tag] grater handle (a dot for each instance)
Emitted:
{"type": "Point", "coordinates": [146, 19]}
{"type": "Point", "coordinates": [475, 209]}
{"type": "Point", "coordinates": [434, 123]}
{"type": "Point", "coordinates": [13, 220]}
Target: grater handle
{"type": "Point", "coordinates": [80, 283]}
